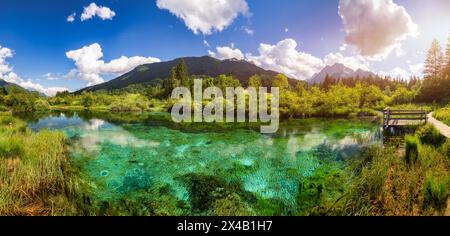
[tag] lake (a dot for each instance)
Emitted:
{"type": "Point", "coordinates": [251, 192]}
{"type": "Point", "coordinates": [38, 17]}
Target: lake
{"type": "Point", "coordinates": [141, 164]}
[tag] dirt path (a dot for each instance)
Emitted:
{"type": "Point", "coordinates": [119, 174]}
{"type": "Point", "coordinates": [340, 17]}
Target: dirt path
{"type": "Point", "coordinates": [443, 128]}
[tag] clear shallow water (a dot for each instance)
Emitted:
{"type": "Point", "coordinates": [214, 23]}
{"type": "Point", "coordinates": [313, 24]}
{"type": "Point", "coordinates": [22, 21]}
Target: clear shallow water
{"type": "Point", "coordinates": [134, 166]}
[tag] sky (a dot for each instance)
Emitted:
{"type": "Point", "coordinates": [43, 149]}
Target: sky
{"type": "Point", "coordinates": [53, 45]}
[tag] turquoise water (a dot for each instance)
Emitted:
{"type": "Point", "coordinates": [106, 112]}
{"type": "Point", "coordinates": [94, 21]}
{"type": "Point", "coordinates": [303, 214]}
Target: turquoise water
{"type": "Point", "coordinates": [133, 166]}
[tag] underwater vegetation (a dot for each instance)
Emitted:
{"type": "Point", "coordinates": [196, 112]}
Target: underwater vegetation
{"type": "Point", "coordinates": [133, 166]}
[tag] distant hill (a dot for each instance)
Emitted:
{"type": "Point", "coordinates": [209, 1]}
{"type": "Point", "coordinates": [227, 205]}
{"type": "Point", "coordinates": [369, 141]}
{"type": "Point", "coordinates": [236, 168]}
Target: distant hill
{"type": "Point", "coordinates": [339, 71]}
{"type": "Point", "coordinates": [201, 66]}
{"type": "Point", "coordinates": [3, 83]}
{"type": "Point", "coordinates": [7, 84]}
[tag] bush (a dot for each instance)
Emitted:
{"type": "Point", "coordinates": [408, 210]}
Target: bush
{"type": "Point", "coordinates": [41, 105]}
{"type": "Point", "coordinates": [428, 134]}
{"type": "Point", "coordinates": [436, 192]}
{"type": "Point", "coordinates": [412, 144]}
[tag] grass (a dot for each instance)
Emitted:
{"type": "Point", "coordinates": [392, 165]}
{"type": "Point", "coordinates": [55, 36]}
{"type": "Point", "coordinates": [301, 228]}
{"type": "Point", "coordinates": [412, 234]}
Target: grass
{"type": "Point", "coordinates": [429, 135]}
{"type": "Point", "coordinates": [443, 115]}
{"type": "Point", "coordinates": [412, 144]}
{"type": "Point", "coordinates": [34, 175]}
{"type": "Point", "coordinates": [389, 185]}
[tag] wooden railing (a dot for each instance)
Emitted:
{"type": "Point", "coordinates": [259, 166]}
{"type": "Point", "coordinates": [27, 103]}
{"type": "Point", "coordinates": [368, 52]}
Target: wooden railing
{"type": "Point", "coordinates": [403, 117]}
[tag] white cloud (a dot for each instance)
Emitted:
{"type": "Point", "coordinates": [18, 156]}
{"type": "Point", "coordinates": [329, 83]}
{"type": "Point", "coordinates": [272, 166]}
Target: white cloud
{"type": "Point", "coordinates": [205, 16]}
{"type": "Point", "coordinates": [286, 30]}
{"type": "Point", "coordinates": [12, 77]}
{"type": "Point", "coordinates": [7, 74]}
{"type": "Point", "coordinates": [375, 27]}
{"type": "Point", "coordinates": [249, 31]}
{"type": "Point", "coordinates": [224, 53]}
{"type": "Point", "coordinates": [90, 67]}
{"type": "Point", "coordinates": [50, 76]}
{"type": "Point", "coordinates": [416, 69]}
{"type": "Point", "coordinates": [353, 62]}
{"type": "Point", "coordinates": [105, 13]}
{"type": "Point", "coordinates": [71, 17]}
{"type": "Point", "coordinates": [284, 57]}
{"type": "Point", "coordinates": [5, 53]}
{"type": "Point", "coordinates": [398, 72]}
{"type": "Point", "coordinates": [206, 43]}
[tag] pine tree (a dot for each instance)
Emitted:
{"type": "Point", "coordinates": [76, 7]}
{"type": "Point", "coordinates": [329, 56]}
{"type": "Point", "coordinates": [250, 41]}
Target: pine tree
{"type": "Point", "coordinates": [182, 74]}
{"type": "Point", "coordinates": [447, 54]}
{"type": "Point", "coordinates": [434, 63]}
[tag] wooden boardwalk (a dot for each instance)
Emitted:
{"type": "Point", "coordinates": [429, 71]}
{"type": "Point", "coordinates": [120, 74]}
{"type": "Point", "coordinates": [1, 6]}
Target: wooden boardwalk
{"type": "Point", "coordinates": [396, 118]}
{"type": "Point", "coordinates": [443, 128]}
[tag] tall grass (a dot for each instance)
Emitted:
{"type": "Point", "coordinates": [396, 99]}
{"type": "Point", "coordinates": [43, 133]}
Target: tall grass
{"type": "Point", "coordinates": [412, 144]}
{"type": "Point", "coordinates": [428, 134]}
{"type": "Point", "coordinates": [33, 172]}
{"type": "Point", "coordinates": [387, 185]}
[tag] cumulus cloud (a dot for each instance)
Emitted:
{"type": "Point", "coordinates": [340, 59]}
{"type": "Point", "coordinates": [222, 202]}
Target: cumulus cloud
{"type": "Point", "coordinates": [375, 27]}
{"type": "Point", "coordinates": [104, 13]}
{"type": "Point", "coordinates": [285, 58]}
{"type": "Point", "coordinates": [224, 53]}
{"type": "Point", "coordinates": [352, 62]}
{"type": "Point", "coordinates": [12, 77]}
{"type": "Point", "coordinates": [205, 16]}
{"type": "Point", "coordinates": [416, 69]}
{"type": "Point", "coordinates": [5, 53]}
{"type": "Point", "coordinates": [71, 17]}
{"type": "Point", "coordinates": [90, 67]}
{"type": "Point", "coordinates": [398, 72]}
{"type": "Point", "coordinates": [7, 74]}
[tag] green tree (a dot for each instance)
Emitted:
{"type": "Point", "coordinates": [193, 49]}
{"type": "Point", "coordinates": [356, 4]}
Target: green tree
{"type": "Point", "coordinates": [434, 63]}
{"type": "Point", "coordinates": [171, 83]}
{"type": "Point", "coordinates": [281, 81]}
{"type": "Point", "coordinates": [255, 82]}
{"type": "Point", "coordinates": [224, 81]}
{"type": "Point", "coordinates": [182, 74]}
{"type": "Point", "coordinates": [87, 100]}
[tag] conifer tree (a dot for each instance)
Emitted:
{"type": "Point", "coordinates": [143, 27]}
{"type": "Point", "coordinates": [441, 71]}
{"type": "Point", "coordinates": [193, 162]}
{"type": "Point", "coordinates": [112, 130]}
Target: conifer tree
{"type": "Point", "coordinates": [434, 63]}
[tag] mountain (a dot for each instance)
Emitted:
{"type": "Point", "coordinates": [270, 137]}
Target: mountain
{"type": "Point", "coordinates": [4, 83]}
{"type": "Point", "coordinates": [7, 84]}
{"type": "Point", "coordinates": [339, 71]}
{"type": "Point", "coordinates": [154, 73]}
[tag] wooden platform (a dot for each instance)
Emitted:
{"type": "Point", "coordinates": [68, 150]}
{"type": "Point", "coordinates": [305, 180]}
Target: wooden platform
{"type": "Point", "coordinates": [396, 118]}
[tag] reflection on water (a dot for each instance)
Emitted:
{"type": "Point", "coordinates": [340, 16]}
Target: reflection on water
{"type": "Point", "coordinates": [168, 171]}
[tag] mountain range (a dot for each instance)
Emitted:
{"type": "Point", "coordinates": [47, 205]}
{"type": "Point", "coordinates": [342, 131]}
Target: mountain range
{"type": "Point", "coordinates": [197, 66]}
{"type": "Point", "coordinates": [339, 71]}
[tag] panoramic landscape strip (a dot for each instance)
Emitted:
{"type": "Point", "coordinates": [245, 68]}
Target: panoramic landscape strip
{"type": "Point", "coordinates": [357, 124]}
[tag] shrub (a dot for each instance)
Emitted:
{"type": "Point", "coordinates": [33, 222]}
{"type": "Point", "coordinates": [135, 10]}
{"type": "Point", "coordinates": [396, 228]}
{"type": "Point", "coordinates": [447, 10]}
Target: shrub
{"type": "Point", "coordinates": [41, 105]}
{"type": "Point", "coordinates": [436, 192]}
{"type": "Point", "coordinates": [6, 120]}
{"type": "Point", "coordinates": [412, 144]}
{"type": "Point", "coordinates": [428, 134]}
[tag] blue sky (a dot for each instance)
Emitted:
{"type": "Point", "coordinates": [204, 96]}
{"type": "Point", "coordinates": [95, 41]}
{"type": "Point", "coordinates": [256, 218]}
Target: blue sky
{"type": "Point", "coordinates": [299, 37]}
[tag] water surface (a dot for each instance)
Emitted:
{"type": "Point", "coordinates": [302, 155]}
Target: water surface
{"type": "Point", "coordinates": [135, 165]}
